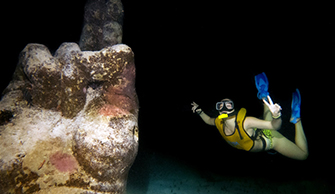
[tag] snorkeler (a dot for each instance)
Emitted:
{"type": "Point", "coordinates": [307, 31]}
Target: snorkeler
{"type": "Point", "coordinates": [256, 135]}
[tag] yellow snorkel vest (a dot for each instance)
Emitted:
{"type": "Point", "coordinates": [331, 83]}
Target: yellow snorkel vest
{"type": "Point", "coordinates": [239, 139]}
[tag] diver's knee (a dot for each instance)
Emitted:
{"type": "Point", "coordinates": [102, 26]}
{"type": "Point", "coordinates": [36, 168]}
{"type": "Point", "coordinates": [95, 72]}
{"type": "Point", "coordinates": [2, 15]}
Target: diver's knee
{"type": "Point", "coordinates": [304, 156]}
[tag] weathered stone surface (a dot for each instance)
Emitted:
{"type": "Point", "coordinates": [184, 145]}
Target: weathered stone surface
{"type": "Point", "coordinates": [68, 122]}
{"type": "Point", "coordinates": [102, 24]}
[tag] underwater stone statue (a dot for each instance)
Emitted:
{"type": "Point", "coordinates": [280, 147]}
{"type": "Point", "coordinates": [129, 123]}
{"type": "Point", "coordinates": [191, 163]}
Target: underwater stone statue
{"type": "Point", "coordinates": [102, 24]}
{"type": "Point", "coordinates": [68, 121]}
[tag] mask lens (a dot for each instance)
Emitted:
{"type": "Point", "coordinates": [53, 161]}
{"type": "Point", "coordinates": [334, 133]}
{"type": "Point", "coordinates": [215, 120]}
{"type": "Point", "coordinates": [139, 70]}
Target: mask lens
{"type": "Point", "coordinates": [219, 105]}
{"type": "Point", "coordinates": [231, 105]}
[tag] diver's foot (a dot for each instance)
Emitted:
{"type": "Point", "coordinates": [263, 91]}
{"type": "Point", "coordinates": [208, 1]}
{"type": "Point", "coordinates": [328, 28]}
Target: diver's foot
{"type": "Point", "coordinates": [296, 102]}
{"type": "Point", "coordinates": [262, 86]}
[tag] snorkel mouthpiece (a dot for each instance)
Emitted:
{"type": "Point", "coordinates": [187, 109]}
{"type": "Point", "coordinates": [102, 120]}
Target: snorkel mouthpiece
{"type": "Point", "coordinates": [222, 116]}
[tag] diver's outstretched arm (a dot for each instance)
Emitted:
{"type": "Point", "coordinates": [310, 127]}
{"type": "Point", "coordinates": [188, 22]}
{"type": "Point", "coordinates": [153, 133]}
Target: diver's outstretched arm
{"type": "Point", "coordinates": [208, 120]}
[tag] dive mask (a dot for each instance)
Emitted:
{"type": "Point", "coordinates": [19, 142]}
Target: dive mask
{"type": "Point", "coordinates": [222, 106]}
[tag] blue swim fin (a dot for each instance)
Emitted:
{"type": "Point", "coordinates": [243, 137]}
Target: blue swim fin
{"type": "Point", "coordinates": [262, 85]}
{"type": "Point", "coordinates": [296, 102]}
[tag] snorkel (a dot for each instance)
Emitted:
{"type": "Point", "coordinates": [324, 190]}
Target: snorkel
{"type": "Point", "coordinates": [225, 108]}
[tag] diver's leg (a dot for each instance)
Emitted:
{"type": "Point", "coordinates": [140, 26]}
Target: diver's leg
{"type": "Point", "coordinates": [300, 138]}
{"type": "Point", "coordinates": [267, 115]}
{"type": "Point", "coordinates": [298, 150]}
{"type": "Point", "coordinates": [261, 145]}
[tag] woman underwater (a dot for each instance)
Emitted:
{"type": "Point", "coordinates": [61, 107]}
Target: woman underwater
{"type": "Point", "coordinates": [256, 135]}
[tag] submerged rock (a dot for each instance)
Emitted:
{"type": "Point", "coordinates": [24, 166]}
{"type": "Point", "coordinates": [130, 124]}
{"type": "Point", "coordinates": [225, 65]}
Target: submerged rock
{"type": "Point", "coordinates": [69, 121]}
{"type": "Point", "coordinates": [102, 24]}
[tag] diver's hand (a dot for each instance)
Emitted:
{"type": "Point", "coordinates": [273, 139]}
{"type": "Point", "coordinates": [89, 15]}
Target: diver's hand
{"type": "Point", "coordinates": [274, 108]}
{"type": "Point", "coordinates": [195, 108]}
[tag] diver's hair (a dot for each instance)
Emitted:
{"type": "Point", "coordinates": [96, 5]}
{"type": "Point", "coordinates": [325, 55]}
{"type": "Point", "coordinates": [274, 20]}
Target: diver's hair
{"type": "Point", "coordinates": [227, 99]}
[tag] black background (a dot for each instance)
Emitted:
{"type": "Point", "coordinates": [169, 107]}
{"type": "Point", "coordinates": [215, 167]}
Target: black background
{"type": "Point", "coordinates": [204, 51]}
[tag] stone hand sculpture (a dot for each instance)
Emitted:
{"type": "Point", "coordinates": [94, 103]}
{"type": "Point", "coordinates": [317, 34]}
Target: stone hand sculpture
{"type": "Point", "coordinates": [68, 121]}
{"type": "Point", "coordinates": [102, 24]}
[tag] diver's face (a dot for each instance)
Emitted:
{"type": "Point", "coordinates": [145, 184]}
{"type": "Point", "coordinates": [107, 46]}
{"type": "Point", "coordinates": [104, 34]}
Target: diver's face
{"type": "Point", "coordinates": [228, 103]}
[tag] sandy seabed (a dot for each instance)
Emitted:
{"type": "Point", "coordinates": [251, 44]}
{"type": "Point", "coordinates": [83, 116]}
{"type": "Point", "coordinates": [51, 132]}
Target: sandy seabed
{"type": "Point", "coordinates": [155, 173]}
